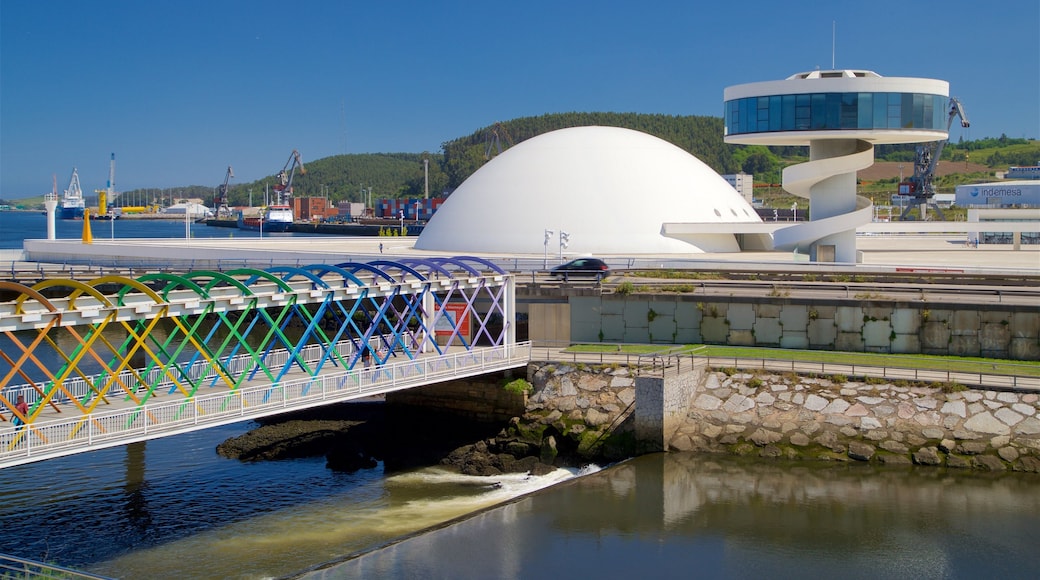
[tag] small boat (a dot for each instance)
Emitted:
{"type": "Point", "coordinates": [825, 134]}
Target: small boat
{"type": "Point", "coordinates": [273, 218]}
{"type": "Point", "coordinates": [72, 203]}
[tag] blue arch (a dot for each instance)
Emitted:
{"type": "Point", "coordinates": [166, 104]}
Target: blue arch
{"type": "Point", "coordinates": [432, 263]}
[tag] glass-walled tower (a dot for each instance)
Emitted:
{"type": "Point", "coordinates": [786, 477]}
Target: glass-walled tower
{"type": "Point", "coordinates": [840, 115]}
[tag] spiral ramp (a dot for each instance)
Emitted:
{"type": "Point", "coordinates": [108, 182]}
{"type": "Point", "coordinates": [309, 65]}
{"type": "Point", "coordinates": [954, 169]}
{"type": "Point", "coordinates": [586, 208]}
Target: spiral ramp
{"type": "Point", "coordinates": [799, 180]}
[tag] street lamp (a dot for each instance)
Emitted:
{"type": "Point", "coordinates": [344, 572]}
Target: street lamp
{"type": "Point", "coordinates": [794, 208]}
{"type": "Point", "coordinates": [548, 235]}
{"type": "Point", "coordinates": [565, 239]}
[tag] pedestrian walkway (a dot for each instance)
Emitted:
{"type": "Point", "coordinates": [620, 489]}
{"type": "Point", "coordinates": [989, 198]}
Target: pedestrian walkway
{"type": "Point", "coordinates": [55, 433]}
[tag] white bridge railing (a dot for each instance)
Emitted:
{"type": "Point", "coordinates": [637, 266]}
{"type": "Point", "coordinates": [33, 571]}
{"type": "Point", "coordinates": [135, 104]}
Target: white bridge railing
{"type": "Point", "coordinates": [55, 438]}
{"type": "Point", "coordinates": [201, 370]}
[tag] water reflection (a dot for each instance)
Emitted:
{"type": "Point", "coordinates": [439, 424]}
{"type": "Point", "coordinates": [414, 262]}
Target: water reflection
{"type": "Point", "coordinates": [686, 515]}
{"type": "Point", "coordinates": [135, 504]}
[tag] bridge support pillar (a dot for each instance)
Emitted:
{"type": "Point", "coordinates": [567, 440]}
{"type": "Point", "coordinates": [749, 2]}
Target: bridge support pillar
{"type": "Point", "coordinates": [661, 406]}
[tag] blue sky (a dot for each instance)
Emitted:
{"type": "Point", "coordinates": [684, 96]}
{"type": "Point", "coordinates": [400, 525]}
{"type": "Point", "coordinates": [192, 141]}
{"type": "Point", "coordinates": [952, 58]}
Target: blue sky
{"type": "Point", "coordinates": [179, 90]}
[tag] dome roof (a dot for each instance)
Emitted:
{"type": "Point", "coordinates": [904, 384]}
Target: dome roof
{"type": "Point", "coordinates": [610, 189]}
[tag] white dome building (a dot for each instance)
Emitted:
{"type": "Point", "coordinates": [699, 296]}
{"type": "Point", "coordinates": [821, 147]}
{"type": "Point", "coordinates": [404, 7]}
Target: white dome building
{"type": "Point", "coordinates": [610, 189]}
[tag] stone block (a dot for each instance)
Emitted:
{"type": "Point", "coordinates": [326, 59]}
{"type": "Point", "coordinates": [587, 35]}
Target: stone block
{"type": "Point", "coordinates": [873, 313]}
{"type": "Point", "coordinates": [768, 331]}
{"type": "Point", "coordinates": [906, 343]}
{"type": "Point", "coordinates": [687, 323]}
{"type": "Point", "coordinates": [742, 337]}
{"type": "Point", "coordinates": [988, 463]}
{"type": "Point", "coordinates": [635, 314]}
{"type": "Point", "coordinates": [714, 330]}
{"type": "Point", "coordinates": [861, 451]}
{"type": "Point", "coordinates": [906, 320]}
{"type": "Point", "coordinates": [1025, 349]}
{"type": "Point", "coordinates": [849, 341]}
{"type": "Point", "coordinates": [927, 456]}
{"type": "Point", "coordinates": [822, 333]}
{"type": "Point", "coordinates": [794, 339]}
{"type": "Point", "coordinates": [613, 328]}
{"type": "Point", "coordinates": [935, 336]}
{"type": "Point", "coordinates": [767, 310]}
{"type": "Point", "coordinates": [795, 317]}
{"type": "Point", "coordinates": [849, 319]}
{"type": "Point", "coordinates": [741, 316]}
{"type": "Point", "coordinates": [877, 334]}
{"type": "Point", "coordinates": [610, 307]}
{"type": "Point", "coordinates": [894, 459]}
{"type": "Point", "coordinates": [964, 345]}
{"type": "Point", "coordinates": [662, 329]}
{"type": "Point", "coordinates": [965, 322]}
{"type": "Point", "coordinates": [1025, 325]}
{"type": "Point", "coordinates": [586, 308]}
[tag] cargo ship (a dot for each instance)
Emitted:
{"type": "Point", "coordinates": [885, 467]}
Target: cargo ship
{"type": "Point", "coordinates": [274, 218]}
{"type": "Point", "coordinates": [72, 203]}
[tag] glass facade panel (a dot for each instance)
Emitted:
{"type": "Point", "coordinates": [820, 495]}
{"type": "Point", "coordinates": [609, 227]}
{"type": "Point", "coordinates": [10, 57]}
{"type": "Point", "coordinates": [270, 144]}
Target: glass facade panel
{"type": "Point", "coordinates": [833, 108]}
{"type": "Point", "coordinates": [865, 110]}
{"type": "Point", "coordinates": [835, 111]}
{"type": "Point", "coordinates": [894, 110]}
{"type": "Point", "coordinates": [802, 117]}
{"type": "Point", "coordinates": [763, 114]}
{"type": "Point", "coordinates": [818, 110]}
{"type": "Point", "coordinates": [906, 111]}
{"type": "Point", "coordinates": [849, 110]}
{"type": "Point", "coordinates": [788, 123]}
{"type": "Point", "coordinates": [775, 114]}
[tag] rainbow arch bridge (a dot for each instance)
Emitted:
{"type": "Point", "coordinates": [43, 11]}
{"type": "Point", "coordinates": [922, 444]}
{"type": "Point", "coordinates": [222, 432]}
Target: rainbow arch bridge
{"type": "Point", "coordinates": [116, 360]}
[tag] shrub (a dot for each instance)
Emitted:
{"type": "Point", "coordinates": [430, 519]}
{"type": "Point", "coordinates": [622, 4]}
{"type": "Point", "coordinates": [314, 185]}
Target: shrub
{"type": "Point", "coordinates": [840, 379]}
{"type": "Point", "coordinates": [625, 288]}
{"type": "Point", "coordinates": [518, 386]}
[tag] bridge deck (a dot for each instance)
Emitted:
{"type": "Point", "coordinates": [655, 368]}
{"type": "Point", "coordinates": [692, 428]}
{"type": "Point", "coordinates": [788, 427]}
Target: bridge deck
{"type": "Point", "coordinates": [122, 421]}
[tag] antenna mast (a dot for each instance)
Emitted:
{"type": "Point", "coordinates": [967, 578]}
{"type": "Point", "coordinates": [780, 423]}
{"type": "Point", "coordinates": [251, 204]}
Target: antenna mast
{"type": "Point", "coordinates": [833, 28]}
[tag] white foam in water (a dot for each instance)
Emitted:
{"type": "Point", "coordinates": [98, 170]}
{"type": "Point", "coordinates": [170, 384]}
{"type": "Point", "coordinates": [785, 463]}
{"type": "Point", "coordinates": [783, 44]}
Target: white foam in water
{"type": "Point", "coordinates": [295, 538]}
{"type": "Point", "coordinates": [499, 488]}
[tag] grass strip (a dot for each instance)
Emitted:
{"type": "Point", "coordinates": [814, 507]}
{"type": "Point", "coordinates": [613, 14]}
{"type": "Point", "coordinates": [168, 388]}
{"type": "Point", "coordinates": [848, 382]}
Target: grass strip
{"type": "Point", "coordinates": [914, 361]}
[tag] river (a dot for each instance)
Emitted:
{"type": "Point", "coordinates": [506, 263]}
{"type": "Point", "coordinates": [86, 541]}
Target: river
{"type": "Point", "coordinates": [173, 508]}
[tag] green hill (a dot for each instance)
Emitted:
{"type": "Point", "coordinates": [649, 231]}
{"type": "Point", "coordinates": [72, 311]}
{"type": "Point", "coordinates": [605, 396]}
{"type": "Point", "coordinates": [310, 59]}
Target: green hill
{"type": "Point", "coordinates": [397, 175]}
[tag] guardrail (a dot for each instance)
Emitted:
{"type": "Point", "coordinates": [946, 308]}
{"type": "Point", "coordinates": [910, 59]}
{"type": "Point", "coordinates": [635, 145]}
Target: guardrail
{"type": "Point", "coordinates": [55, 438]}
{"type": "Point", "coordinates": [666, 361]}
{"type": "Point", "coordinates": [989, 381]}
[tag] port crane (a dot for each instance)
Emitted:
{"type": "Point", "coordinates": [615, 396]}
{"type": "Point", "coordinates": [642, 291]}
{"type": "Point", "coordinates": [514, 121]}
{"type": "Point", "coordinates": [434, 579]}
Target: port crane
{"type": "Point", "coordinates": [283, 188]}
{"type": "Point", "coordinates": [493, 140]}
{"type": "Point", "coordinates": [221, 201]}
{"type": "Point", "coordinates": [920, 186]}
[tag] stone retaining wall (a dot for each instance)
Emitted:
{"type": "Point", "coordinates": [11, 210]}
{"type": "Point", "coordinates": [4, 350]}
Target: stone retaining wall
{"type": "Point", "coordinates": [763, 414]}
{"type": "Point", "coordinates": [799, 417]}
{"type": "Point", "coordinates": [857, 325]}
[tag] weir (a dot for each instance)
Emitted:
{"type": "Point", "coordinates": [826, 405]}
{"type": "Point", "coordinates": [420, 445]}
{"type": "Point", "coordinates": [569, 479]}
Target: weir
{"type": "Point", "coordinates": [116, 359]}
